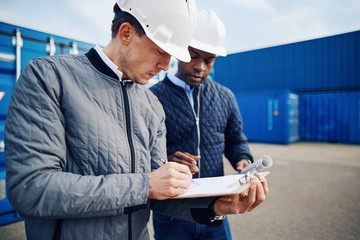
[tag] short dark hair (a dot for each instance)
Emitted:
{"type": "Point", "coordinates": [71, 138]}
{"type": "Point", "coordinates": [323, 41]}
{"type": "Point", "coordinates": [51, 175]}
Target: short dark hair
{"type": "Point", "coordinates": [115, 26]}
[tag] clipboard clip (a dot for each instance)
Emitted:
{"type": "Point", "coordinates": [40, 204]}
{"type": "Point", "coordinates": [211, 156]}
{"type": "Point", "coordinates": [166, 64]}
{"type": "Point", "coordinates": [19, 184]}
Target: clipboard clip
{"type": "Point", "coordinates": [245, 179]}
{"type": "Point", "coordinates": [248, 176]}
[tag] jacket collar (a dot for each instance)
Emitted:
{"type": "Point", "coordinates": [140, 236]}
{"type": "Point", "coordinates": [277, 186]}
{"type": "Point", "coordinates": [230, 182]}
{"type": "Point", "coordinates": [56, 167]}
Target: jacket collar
{"type": "Point", "coordinates": [99, 64]}
{"type": "Point", "coordinates": [168, 82]}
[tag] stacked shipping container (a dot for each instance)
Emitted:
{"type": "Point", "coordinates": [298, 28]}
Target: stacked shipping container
{"type": "Point", "coordinates": [324, 68]}
{"type": "Point", "coordinates": [271, 116]}
{"type": "Point", "coordinates": [330, 63]}
{"type": "Point", "coordinates": [330, 117]}
{"type": "Point", "coordinates": [17, 47]}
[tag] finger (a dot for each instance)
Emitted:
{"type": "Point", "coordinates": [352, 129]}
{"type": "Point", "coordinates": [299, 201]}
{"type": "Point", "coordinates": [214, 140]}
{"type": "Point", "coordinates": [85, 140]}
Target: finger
{"type": "Point", "coordinates": [240, 167]}
{"type": "Point", "coordinates": [251, 198]}
{"type": "Point", "coordinates": [191, 165]}
{"type": "Point", "coordinates": [194, 169]}
{"type": "Point", "coordinates": [265, 186]}
{"type": "Point", "coordinates": [178, 181]}
{"type": "Point", "coordinates": [173, 170]}
{"type": "Point", "coordinates": [181, 188]}
{"type": "Point", "coordinates": [182, 155]}
{"type": "Point", "coordinates": [178, 167]}
{"type": "Point", "coordinates": [260, 196]}
{"type": "Point", "coordinates": [184, 159]}
{"type": "Point", "coordinates": [171, 157]}
{"type": "Point", "coordinates": [188, 163]}
{"type": "Point", "coordinates": [182, 169]}
{"type": "Point", "coordinates": [179, 191]}
{"type": "Point", "coordinates": [192, 157]}
{"type": "Point", "coordinates": [264, 183]}
{"type": "Point", "coordinates": [173, 192]}
{"type": "Point", "coordinates": [179, 155]}
{"type": "Point", "coordinates": [182, 184]}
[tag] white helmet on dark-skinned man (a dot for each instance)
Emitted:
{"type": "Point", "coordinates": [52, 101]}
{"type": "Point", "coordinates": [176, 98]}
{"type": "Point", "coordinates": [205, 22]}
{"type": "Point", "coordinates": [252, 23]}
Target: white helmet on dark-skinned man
{"type": "Point", "coordinates": [209, 35]}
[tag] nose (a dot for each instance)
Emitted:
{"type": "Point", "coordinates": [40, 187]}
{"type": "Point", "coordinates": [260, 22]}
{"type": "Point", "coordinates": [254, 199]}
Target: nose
{"type": "Point", "coordinates": [199, 65]}
{"type": "Point", "coordinates": [163, 64]}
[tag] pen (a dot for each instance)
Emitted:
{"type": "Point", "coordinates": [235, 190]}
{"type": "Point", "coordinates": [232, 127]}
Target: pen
{"type": "Point", "coordinates": [164, 161]}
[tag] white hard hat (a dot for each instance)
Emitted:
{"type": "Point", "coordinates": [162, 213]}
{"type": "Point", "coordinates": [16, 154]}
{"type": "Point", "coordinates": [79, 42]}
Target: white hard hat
{"type": "Point", "coordinates": [169, 24]}
{"type": "Point", "coordinates": [210, 34]}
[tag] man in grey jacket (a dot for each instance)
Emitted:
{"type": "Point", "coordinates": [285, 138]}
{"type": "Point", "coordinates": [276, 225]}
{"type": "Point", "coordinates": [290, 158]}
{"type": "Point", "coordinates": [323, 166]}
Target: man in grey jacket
{"type": "Point", "coordinates": [85, 141]}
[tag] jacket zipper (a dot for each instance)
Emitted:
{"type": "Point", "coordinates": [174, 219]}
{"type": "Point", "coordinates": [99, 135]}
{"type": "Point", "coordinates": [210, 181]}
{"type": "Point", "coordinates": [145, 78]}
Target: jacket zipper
{"type": "Point", "coordinates": [197, 122]}
{"type": "Point", "coordinates": [129, 136]}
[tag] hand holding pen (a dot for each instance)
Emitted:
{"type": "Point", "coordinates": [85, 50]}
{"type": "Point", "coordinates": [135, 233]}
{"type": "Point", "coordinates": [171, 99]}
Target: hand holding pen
{"type": "Point", "coordinates": [169, 180]}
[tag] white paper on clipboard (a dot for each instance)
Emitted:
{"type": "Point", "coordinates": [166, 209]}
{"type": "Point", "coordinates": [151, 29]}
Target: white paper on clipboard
{"type": "Point", "coordinates": [216, 186]}
{"type": "Point", "coordinates": [227, 185]}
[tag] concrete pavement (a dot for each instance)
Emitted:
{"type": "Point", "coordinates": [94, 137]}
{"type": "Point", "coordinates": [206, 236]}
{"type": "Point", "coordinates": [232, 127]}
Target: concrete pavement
{"type": "Point", "coordinates": [314, 194]}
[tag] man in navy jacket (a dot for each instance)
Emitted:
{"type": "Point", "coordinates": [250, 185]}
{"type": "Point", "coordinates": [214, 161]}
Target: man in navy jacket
{"type": "Point", "coordinates": [203, 123]}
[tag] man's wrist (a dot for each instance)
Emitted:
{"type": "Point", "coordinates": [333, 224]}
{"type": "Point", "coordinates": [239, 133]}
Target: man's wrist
{"type": "Point", "coordinates": [212, 213]}
{"type": "Point", "coordinates": [206, 215]}
{"type": "Point", "coordinates": [246, 157]}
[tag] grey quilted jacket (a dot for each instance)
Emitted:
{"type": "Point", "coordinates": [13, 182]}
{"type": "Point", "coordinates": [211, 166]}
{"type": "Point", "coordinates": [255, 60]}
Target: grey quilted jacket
{"type": "Point", "coordinates": [79, 147]}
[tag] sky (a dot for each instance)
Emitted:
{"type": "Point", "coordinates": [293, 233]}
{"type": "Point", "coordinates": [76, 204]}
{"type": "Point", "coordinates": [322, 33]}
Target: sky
{"type": "Point", "coordinates": [250, 24]}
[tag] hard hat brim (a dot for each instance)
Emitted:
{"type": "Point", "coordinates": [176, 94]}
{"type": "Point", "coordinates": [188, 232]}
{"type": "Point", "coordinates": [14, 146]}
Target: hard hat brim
{"type": "Point", "coordinates": [179, 53]}
{"type": "Point", "coordinates": [219, 51]}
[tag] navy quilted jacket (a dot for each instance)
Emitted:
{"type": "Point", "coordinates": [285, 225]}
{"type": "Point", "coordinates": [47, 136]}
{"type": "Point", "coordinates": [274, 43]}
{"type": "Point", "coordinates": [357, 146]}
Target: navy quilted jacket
{"type": "Point", "coordinates": [220, 125]}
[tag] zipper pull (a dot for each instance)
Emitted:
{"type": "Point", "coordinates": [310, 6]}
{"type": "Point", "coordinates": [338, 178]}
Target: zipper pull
{"type": "Point", "coordinates": [197, 119]}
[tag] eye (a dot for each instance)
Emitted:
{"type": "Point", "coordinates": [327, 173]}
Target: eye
{"type": "Point", "coordinates": [209, 60]}
{"type": "Point", "coordinates": [160, 53]}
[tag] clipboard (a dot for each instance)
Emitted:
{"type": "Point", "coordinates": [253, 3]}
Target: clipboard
{"type": "Point", "coordinates": [216, 186]}
{"type": "Point", "coordinates": [227, 185]}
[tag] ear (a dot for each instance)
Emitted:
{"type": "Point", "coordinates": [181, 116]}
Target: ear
{"type": "Point", "coordinates": [126, 32]}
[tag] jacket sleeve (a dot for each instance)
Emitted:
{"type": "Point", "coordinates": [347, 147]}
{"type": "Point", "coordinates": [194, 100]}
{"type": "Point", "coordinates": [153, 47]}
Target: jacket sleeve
{"type": "Point", "coordinates": [36, 156]}
{"type": "Point", "coordinates": [158, 150]}
{"type": "Point", "coordinates": [191, 209]}
{"type": "Point", "coordinates": [236, 143]}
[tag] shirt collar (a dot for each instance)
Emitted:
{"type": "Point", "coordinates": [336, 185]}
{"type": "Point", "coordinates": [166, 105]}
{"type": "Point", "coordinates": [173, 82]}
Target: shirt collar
{"type": "Point", "coordinates": [108, 62]}
{"type": "Point", "coordinates": [189, 90]}
{"type": "Point", "coordinates": [178, 82]}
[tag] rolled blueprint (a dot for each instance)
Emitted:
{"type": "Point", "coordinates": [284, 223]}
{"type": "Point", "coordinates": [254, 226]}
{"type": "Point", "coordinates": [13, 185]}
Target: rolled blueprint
{"type": "Point", "coordinates": [260, 165]}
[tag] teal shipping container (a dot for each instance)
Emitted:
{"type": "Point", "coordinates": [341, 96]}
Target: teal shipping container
{"type": "Point", "coordinates": [270, 116]}
{"type": "Point", "coordinates": [18, 46]}
{"type": "Point", "coordinates": [330, 117]}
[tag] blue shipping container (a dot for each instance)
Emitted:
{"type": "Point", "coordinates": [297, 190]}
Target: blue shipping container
{"type": "Point", "coordinates": [18, 46]}
{"type": "Point", "coordinates": [270, 116]}
{"type": "Point", "coordinates": [330, 117]}
{"type": "Point", "coordinates": [329, 63]}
